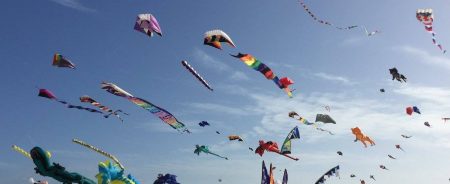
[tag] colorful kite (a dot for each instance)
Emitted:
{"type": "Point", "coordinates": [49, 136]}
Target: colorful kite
{"type": "Point", "coordinates": [162, 114]}
{"type": "Point", "coordinates": [147, 24]}
{"type": "Point", "coordinates": [205, 149]}
{"type": "Point", "coordinates": [166, 179]}
{"type": "Point", "coordinates": [332, 172]}
{"type": "Point", "coordinates": [48, 94]}
{"type": "Point", "coordinates": [395, 75]}
{"type": "Point", "coordinates": [88, 99]}
{"type": "Point", "coordinates": [271, 146]}
{"type": "Point", "coordinates": [109, 173]}
{"type": "Point", "coordinates": [60, 61]}
{"type": "Point", "coordinates": [215, 37]}
{"type": "Point", "coordinates": [293, 134]}
{"type": "Point", "coordinates": [45, 168]}
{"type": "Point", "coordinates": [235, 137]}
{"type": "Point", "coordinates": [426, 17]}
{"type": "Point", "coordinates": [361, 137]}
{"type": "Point", "coordinates": [254, 63]}
{"type": "Point", "coordinates": [193, 72]}
{"type": "Point", "coordinates": [324, 118]}
{"type": "Point", "coordinates": [410, 110]}
{"type": "Point", "coordinates": [293, 114]}
{"type": "Point", "coordinates": [112, 157]}
{"type": "Point", "coordinates": [322, 21]}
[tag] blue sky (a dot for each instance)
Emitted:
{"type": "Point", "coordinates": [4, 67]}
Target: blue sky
{"type": "Point", "coordinates": [342, 69]}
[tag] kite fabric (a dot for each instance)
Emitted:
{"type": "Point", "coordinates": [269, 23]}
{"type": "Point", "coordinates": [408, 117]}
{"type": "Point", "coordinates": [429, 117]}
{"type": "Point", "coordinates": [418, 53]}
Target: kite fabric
{"type": "Point", "coordinates": [270, 146]}
{"type": "Point", "coordinates": [112, 157]}
{"type": "Point", "coordinates": [87, 99]}
{"type": "Point", "coordinates": [313, 16]}
{"type": "Point", "coordinates": [332, 172]}
{"type": "Point", "coordinates": [147, 24]}
{"type": "Point", "coordinates": [361, 137]}
{"type": "Point", "coordinates": [293, 134]}
{"type": "Point", "coordinates": [48, 94]}
{"type": "Point", "coordinates": [410, 110]}
{"type": "Point", "coordinates": [166, 179]}
{"type": "Point", "coordinates": [214, 38]}
{"type": "Point", "coordinates": [109, 173]}
{"type": "Point", "coordinates": [395, 75]}
{"type": "Point", "coordinates": [426, 17]}
{"type": "Point", "coordinates": [324, 118]}
{"type": "Point", "coordinates": [205, 149]}
{"type": "Point", "coordinates": [264, 174]}
{"type": "Point", "coordinates": [161, 113]}
{"type": "Point", "coordinates": [193, 72]}
{"type": "Point", "coordinates": [46, 168]}
{"type": "Point", "coordinates": [60, 61]}
{"type": "Point", "coordinates": [257, 65]}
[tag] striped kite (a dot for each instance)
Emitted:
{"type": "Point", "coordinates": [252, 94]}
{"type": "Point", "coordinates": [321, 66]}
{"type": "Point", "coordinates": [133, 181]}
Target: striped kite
{"type": "Point", "coordinates": [88, 99]}
{"type": "Point", "coordinates": [426, 17]}
{"type": "Point", "coordinates": [193, 72]}
{"type": "Point", "coordinates": [215, 37]}
{"type": "Point", "coordinates": [257, 65]}
{"type": "Point", "coordinates": [162, 114]}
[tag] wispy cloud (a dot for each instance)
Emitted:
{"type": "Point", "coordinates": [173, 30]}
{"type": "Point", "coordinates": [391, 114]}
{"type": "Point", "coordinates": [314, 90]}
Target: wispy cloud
{"type": "Point", "coordinates": [334, 78]}
{"type": "Point", "coordinates": [74, 4]}
{"type": "Point", "coordinates": [418, 54]}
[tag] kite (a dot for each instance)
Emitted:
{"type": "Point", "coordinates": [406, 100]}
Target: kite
{"type": "Point", "coordinates": [54, 170]}
{"type": "Point", "coordinates": [249, 148]}
{"type": "Point", "coordinates": [205, 149]}
{"type": "Point", "coordinates": [293, 134]}
{"type": "Point", "coordinates": [427, 124]}
{"type": "Point", "coordinates": [147, 24]}
{"type": "Point", "coordinates": [88, 99]}
{"type": "Point", "coordinates": [445, 119]}
{"type": "Point", "coordinates": [372, 177]}
{"type": "Point", "coordinates": [426, 17]}
{"type": "Point", "coordinates": [285, 177]}
{"type": "Point", "coordinates": [48, 94]}
{"type": "Point", "coordinates": [166, 179]}
{"type": "Point", "coordinates": [112, 157]}
{"type": "Point", "coordinates": [270, 146]}
{"type": "Point", "coordinates": [60, 61]}
{"type": "Point", "coordinates": [383, 167]}
{"type": "Point", "coordinates": [110, 173]}
{"type": "Point", "coordinates": [332, 172]}
{"type": "Point", "coordinates": [361, 137]}
{"type": "Point", "coordinates": [371, 33]}
{"type": "Point", "coordinates": [410, 110]}
{"type": "Point", "coordinates": [362, 181]}
{"type": "Point", "coordinates": [32, 181]}
{"type": "Point", "coordinates": [327, 108]}
{"type": "Point", "coordinates": [382, 90]}
{"type": "Point", "coordinates": [395, 75]}
{"type": "Point", "coordinates": [264, 175]}
{"type": "Point", "coordinates": [215, 37]}
{"type": "Point", "coordinates": [324, 118]}
{"type": "Point", "coordinates": [293, 114]}
{"type": "Point", "coordinates": [398, 147]}
{"type": "Point", "coordinates": [235, 137]}
{"type": "Point", "coordinates": [352, 175]}
{"type": "Point", "coordinates": [203, 123]}
{"type": "Point", "coordinates": [322, 21]}
{"type": "Point", "coordinates": [339, 153]}
{"type": "Point", "coordinates": [390, 156]}
{"type": "Point", "coordinates": [217, 132]}
{"type": "Point", "coordinates": [406, 136]}
{"type": "Point", "coordinates": [257, 65]}
{"type": "Point", "coordinates": [162, 114]}
{"type": "Point", "coordinates": [193, 72]}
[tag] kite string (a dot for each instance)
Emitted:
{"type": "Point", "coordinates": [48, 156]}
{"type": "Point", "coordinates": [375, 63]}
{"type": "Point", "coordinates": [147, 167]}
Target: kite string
{"type": "Point", "coordinates": [99, 151]}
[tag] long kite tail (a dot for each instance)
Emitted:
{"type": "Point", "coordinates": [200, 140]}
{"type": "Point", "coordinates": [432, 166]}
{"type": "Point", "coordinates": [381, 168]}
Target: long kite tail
{"type": "Point", "coordinates": [288, 156]}
{"type": "Point", "coordinates": [313, 16]}
{"type": "Point", "coordinates": [433, 38]}
{"type": "Point", "coordinates": [218, 155]}
{"type": "Point", "coordinates": [99, 151]}
{"type": "Point", "coordinates": [70, 106]}
{"type": "Point", "coordinates": [87, 99]}
{"type": "Point", "coordinates": [198, 76]}
{"type": "Point", "coordinates": [20, 150]}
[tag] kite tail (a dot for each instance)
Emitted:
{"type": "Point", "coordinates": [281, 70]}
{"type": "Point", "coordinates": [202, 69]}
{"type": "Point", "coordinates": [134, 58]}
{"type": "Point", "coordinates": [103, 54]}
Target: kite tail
{"type": "Point", "coordinates": [288, 156]}
{"type": "Point", "coordinates": [70, 106]}
{"type": "Point", "coordinates": [313, 16]}
{"type": "Point", "coordinates": [218, 155]}
{"type": "Point", "coordinates": [99, 151]}
{"type": "Point", "coordinates": [20, 150]}
{"type": "Point", "coordinates": [433, 38]}
{"type": "Point", "coordinates": [115, 113]}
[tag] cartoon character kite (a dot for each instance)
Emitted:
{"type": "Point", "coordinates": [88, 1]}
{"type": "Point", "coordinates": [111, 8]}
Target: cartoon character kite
{"type": "Point", "coordinates": [361, 137]}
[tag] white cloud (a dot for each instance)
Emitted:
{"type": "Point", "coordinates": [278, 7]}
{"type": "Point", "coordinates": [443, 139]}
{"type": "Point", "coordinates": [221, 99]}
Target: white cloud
{"type": "Point", "coordinates": [438, 60]}
{"type": "Point", "coordinates": [335, 78]}
{"type": "Point", "coordinates": [74, 4]}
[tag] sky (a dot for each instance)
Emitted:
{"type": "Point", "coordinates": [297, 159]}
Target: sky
{"type": "Point", "coordinates": [343, 69]}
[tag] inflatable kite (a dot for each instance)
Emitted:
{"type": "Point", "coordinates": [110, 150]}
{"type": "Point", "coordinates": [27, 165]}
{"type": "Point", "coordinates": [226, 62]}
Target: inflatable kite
{"type": "Point", "coordinates": [254, 63]}
{"type": "Point", "coordinates": [147, 24]}
{"type": "Point", "coordinates": [166, 179]}
{"type": "Point", "coordinates": [45, 168]}
{"type": "Point", "coordinates": [87, 99]}
{"type": "Point", "coordinates": [48, 94]}
{"type": "Point", "coordinates": [332, 172]}
{"type": "Point", "coordinates": [395, 75]}
{"type": "Point", "coordinates": [205, 149]}
{"type": "Point", "coordinates": [426, 17]}
{"type": "Point", "coordinates": [324, 118]}
{"type": "Point", "coordinates": [161, 113]}
{"type": "Point", "coordinates": [235, 137]}
{"type": "Point", "coordinates": [293, 134]}
{"type": "Point", "coordinates": [109, 173]}
{"type": "Point", "coordinates": [314, 17]}
{"type": "Point", "coordinates": [215, 37]}
{"type": "Point", "coordinates": [193, 72]}
{"type": "Point", "coordinates": [361, 137]}
{"type": "Point", "coordinates": [60, 61]}
{"type": "Point", "coordinates": [271, 146]}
